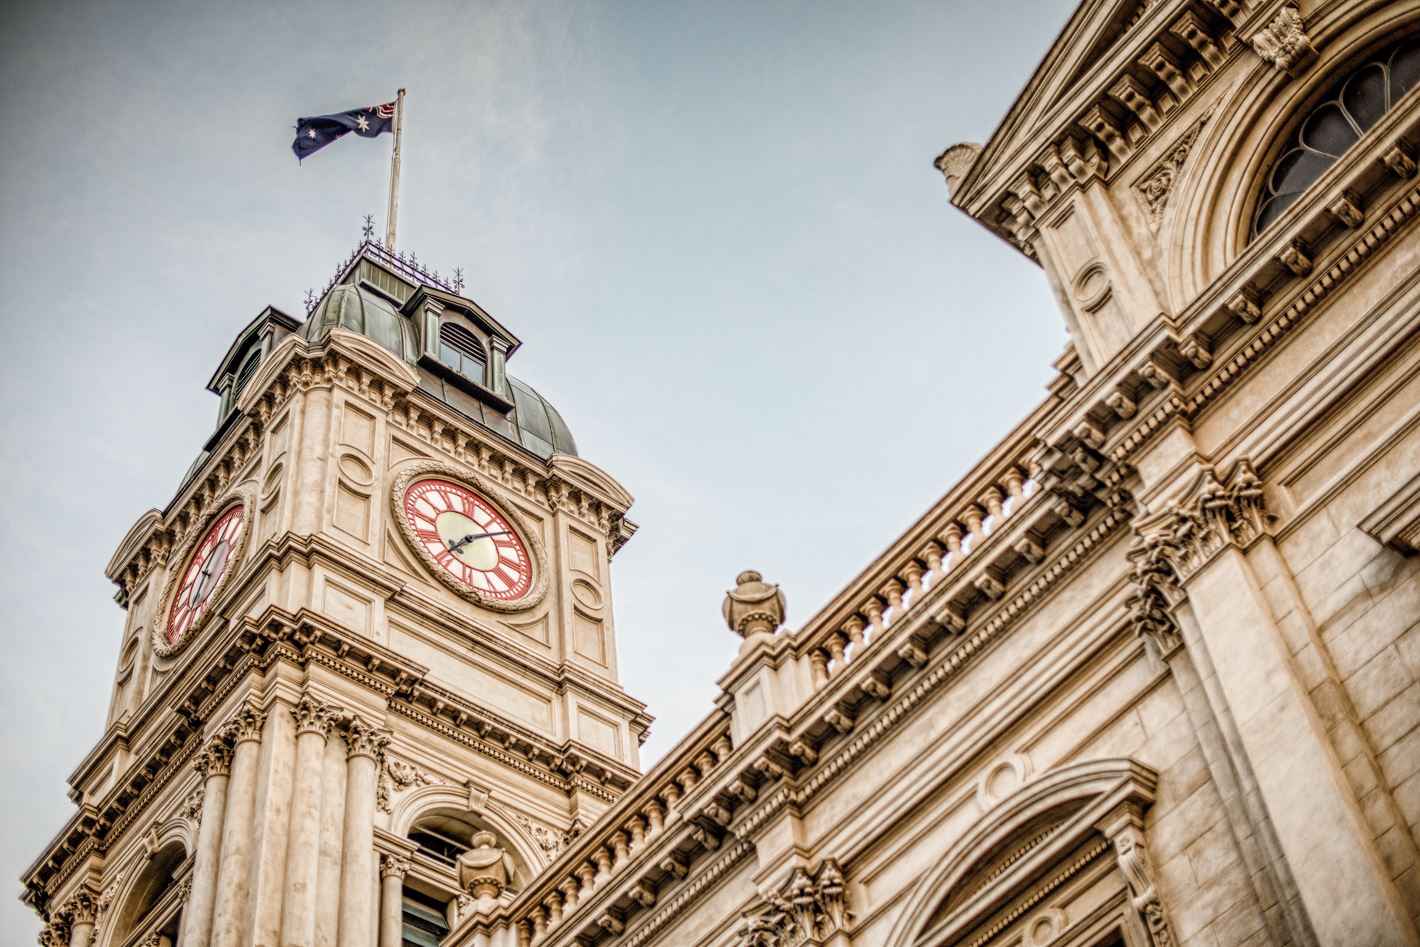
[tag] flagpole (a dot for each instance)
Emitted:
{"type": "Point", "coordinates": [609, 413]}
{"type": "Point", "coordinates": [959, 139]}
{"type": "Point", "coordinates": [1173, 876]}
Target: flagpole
{"type": "Point", "coordinates": [394, 169]}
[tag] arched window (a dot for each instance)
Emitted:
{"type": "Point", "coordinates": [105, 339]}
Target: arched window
{"type": "Point", "coordinates": [460, 350]}
{"type": "Point", "coordinates": [435, 899]}
{"type": "Point", "coordinates": [1338, 121]}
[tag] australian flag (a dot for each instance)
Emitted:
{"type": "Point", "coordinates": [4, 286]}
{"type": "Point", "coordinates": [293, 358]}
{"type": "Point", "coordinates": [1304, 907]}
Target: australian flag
{"type": "Point", "coordinates": [313, 134]}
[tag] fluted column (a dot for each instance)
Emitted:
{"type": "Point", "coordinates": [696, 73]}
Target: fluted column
{"type": "Point", "coordinates": [214, 764]}
{"type": "Point", "coordinates": [81, 910]}
{"type": "Point", "coordinates": [298, 909]}
{"type": "Point", "coordinates": [365, 748]}
{"type": "Point", "coordinates": [233, 883]}
{"type": "Point", "coordinates": [393, 868]}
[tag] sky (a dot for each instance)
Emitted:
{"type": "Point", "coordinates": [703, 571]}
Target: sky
{"type": "Point", "coordinates": [715, 226]}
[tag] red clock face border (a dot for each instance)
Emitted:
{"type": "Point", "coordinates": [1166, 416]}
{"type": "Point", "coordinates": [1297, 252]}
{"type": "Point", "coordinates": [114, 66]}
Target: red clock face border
{"type": "Point", "coordinates": [207, 565]}
{"type": "Point", "coordinates": [475, 546]}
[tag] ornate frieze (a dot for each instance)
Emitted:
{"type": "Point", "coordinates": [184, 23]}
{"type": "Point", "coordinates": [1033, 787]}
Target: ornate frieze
{"type": "Point", "coordinates": [806, 910]}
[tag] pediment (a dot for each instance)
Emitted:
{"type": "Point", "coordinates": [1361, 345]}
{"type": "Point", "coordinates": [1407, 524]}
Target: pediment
{"type": "Point", "coordinates": [1082, 47]}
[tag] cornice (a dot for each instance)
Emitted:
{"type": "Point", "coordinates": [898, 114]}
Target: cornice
{"type": "Point", "coordinates": [1103, 121]}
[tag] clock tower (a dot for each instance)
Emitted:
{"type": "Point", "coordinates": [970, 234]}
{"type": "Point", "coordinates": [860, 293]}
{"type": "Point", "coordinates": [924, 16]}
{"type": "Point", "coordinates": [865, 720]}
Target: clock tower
{"type": "Point", "coordinates": [368, 679]}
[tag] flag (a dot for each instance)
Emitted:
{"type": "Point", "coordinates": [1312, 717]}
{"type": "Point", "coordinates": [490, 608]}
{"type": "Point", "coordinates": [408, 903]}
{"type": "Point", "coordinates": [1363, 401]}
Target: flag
{"type": "Point", "coordinates": [313, 134]}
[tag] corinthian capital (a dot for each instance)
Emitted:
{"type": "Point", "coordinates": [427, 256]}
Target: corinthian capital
{"type": "Point", "coordinates": [1219, 513]}
{"type": "Point", "coordinates": [364, 739]}
{"type": "Point", "coordinates": [215, 759]}
{"type": "Point", "coordinates": [245, 725]}
{"type": "Point", "coordinates": [82, 908]}
{"type": "Point", "coordinates": [312, 716]}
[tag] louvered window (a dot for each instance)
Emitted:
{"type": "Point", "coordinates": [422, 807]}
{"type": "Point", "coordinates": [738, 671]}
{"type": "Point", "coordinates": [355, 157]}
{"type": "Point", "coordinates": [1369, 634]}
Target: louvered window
{"type": "Point", "coordinates": [1345, 113]}
{"type": "Point", "coordinates": [460, 350]}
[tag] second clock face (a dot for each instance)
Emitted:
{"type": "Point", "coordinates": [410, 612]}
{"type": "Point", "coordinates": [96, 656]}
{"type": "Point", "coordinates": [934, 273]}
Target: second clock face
{"type": "Point", "coordinates": [468, 539]}
{"type": "Point", "coordinates": [211, 561]}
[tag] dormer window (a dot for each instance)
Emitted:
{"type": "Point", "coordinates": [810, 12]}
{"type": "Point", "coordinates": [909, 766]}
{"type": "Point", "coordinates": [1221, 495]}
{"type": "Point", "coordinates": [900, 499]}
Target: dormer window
{"type": "Point", "coordinates": [461, 350]}
{"type": "Point", "coordinates": [243, 376]}
{"type": "Point", "coordinates": [1345, 113]}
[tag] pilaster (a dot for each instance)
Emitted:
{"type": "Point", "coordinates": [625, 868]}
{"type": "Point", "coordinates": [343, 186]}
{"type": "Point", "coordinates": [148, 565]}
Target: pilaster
{"type": "Point", "coordinates": [1197, 548]}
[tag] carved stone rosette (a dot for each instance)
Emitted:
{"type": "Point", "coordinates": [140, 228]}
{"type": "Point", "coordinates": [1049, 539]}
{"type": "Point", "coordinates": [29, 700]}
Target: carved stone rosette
{"type": "Point", "coordinates": [807, 910]}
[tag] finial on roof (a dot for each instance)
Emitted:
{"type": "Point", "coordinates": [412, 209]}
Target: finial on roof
{"type": "Point", "coordinates": [368, 231]}
{"type": "Point", "coordinates": [753, 606]}
{"type": "Point", "coordinates": [310, 300]}
{"type": "Point", "coordinates": [458, 279]}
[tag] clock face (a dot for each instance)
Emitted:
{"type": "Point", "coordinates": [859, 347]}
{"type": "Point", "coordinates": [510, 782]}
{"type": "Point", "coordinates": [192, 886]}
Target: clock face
{"type": "Point", "coordinates": [468, 539]}
{"type": "Point", "coordinates": [210, 562]}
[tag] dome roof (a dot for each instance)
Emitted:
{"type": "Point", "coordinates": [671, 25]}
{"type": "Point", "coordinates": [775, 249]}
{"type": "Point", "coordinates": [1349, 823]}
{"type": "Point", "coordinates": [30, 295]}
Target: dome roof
{"type": "Point", "coordinates": [540, 428]}
{"type": "Point", "coordinates": [533, 423]}
{"type": "Point", "coordinates": [354, 307]}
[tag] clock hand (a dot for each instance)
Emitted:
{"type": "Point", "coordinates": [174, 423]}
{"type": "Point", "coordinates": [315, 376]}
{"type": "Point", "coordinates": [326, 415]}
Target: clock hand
{"type": "Point", "coordinates": [458, 545]}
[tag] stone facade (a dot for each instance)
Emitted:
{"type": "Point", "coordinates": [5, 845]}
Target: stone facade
{"type": "Point", "coordinates": [1148, 675]}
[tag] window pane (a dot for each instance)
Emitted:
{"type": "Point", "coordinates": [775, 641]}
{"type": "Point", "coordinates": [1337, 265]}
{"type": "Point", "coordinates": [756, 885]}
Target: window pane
{"type": "Point", "coordinates": [1328, 131]}
{"type": "Point", "coordinates": [1365, 95]}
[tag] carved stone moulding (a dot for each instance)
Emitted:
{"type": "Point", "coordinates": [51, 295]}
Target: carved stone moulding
{"type": "Point", "coordinates": [808, 909]}
{"type": "Point", "coordinates": [1218, 513]}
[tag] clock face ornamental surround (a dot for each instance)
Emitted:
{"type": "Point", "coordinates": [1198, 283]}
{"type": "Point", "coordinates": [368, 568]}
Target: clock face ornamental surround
{"type": "Point", "coordinates": [209, 564]}
{"type": "Point", "coordinates": [468, 539]}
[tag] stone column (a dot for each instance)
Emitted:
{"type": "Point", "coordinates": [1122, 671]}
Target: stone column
{"type": "Point", "coordinates": [233, 882]}
{"type": "Point", "coordinates": [298, 909]}
{"type": "Point", "coordinates": [214, 764]}
{"type": "Point", "coordinates": [357, 858]}
{"type": "Point", "coordinates": [393, 868]}
{"type": "Point", "coordinates": [332, 824]}
{"type": "Point", "coordinates": [82, 910]}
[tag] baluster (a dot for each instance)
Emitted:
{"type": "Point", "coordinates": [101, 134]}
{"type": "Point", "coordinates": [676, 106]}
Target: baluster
{"type": "Point", "coordinates": [835, 651]}
{"type": "Point", "coordinates": [912, 572]}
{"type": "Point", "coordinates": [972, 517]}
{"type": "Point", "coordinates": [818, 665]}
{"type": "Point", "coordinates": [951, 535]}
{"type": "Point", "coordinates": [892, 591]}
{"type": "Point", "coordinates": [932, 554]}
{"type": "Point", "coordinates": [991, 499]}
{"type": "Point", "coordinates": [873, 610]}
{"type": "Point", "coordinates": [853, 629]}
{"type": "Point", "coordinates": [1015, 483]}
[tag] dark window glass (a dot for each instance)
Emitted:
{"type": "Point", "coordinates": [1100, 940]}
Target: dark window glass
{"type": "Point", "coordinates": [247, 370]}
{"type": "Point", "coordinates": [460, 350]}
{"type": "Point", "coordinates": [1337, 122]}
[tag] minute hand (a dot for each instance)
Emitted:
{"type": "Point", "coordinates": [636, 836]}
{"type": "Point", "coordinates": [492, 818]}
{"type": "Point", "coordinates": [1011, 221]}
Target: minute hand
{"type": "Point", "coordinates": [458, 545]}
